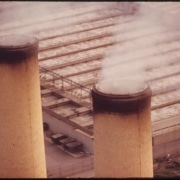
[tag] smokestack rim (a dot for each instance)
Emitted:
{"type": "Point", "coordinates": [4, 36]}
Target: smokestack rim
{"type": "Point", "coordinates": [121, 103]}
{"type": "Point", "coordinates": [16, 48]}
{"type": "Point", "coordinates": [17, 41]}
{"type": "Point", "coordinates": [111, 93]}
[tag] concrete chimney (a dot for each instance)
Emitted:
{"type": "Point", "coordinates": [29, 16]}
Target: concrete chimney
{"type": "Point", "coordinates": [22, 153]}
{"type": "Point", "coordinates": [122, 129]}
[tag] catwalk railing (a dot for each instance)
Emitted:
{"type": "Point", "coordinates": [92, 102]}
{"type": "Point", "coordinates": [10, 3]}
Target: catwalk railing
{"type": "Point", "coordinates": [65, 86]}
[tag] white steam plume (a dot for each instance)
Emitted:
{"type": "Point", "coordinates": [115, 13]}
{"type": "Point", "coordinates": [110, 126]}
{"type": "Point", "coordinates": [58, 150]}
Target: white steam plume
{"type": "Point", "coordinates": [33, 17]}
{"type": "Point", "coordinates": [121, 62]}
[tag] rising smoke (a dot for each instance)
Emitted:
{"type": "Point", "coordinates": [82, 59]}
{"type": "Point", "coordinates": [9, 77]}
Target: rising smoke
{"type": "Point", "coordinates": [34, 17]}
{"type": "Point", "coordinates": [133, 44]}
{"type": "Point", "coordinates": [127, 58]}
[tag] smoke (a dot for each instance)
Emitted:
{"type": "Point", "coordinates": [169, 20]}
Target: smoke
{"type": "Point", "coordinates": [36, 17]}
{"type": "Point", "coordinates": [136, 43]}
{"type": "Point", "coordinates": [126, 60]}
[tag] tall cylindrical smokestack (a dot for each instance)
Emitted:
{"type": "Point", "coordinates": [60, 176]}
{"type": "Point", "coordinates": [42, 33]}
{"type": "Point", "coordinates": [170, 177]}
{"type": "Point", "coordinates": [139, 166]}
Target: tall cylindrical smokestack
{"type": "Point", "coordinates": [22, 153]}
{"type": "Point", "coordinates": [122, 130]}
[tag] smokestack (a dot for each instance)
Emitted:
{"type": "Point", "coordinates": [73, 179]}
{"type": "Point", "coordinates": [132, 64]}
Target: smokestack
{"type": "Point", "coordinates": [122, 129]}
{"type": "Point", "coordinates": [22, 153]}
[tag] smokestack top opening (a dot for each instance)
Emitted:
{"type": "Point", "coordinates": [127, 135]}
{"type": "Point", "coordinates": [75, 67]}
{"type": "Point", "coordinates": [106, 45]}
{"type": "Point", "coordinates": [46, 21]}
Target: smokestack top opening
{"type": "Point", "coordinates": [16, 41]}
{"type": "Point", "coordinates": [124, 96]}
{"type": "Point", "coordinates": [121, 87]}
{"type": "Point", "coordinates": [15, 48]}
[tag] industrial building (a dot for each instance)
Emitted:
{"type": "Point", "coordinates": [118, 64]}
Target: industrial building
{"type": "Point", "coordinates": [82, 43]}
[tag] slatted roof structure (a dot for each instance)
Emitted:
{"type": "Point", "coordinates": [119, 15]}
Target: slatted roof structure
{"type": "Point", "coordinates": [80, 41]}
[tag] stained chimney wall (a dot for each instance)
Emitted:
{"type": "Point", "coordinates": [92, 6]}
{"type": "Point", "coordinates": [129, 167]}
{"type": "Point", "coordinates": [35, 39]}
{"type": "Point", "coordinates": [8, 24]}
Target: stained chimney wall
{"type": "Point", "coordinates": [22, 153]}
{"type": "Point", "coordinates": [122, 141]}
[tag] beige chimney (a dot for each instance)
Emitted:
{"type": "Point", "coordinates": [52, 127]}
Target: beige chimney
{"type": "Point", "coordinates": [22, 153]}
{"type": "Point", "coordinates": [122, 130]}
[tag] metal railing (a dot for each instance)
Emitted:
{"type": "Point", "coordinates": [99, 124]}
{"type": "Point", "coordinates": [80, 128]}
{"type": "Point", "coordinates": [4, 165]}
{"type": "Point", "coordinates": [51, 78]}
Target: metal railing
{"type": "Point", "coordinates": [56, 82]}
